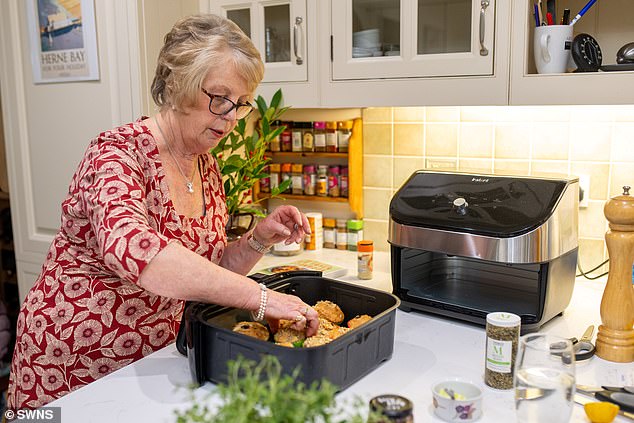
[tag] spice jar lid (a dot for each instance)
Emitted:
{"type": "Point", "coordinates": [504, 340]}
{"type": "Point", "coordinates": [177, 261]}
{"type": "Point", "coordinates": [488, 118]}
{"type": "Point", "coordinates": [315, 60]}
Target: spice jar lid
{"type": "Point", "coordinates": [329, 221]}
{"type": "Point", "coordinates": [355, 224]}
{"type": "Point", "coordinates": [286, 167]}
{"type": "Point", "coordinates": [345, 124]}
{"type": "Point", "coordinates": [392, 406]}
{"type": "Point", "coordinates": [331, 125]}
{"type": "Point", "coordinates": [309, 168]}
{"type": "Point", "coordinates": [365, 246]}
{"type": "Point", "coordinates": [319, 124]}
{"type": "Point", "coordinates": [341, 223]}
{"type": "Point", "coordinates": [274, 167]}
{"type": "Point", "coordinates": [504, 319]}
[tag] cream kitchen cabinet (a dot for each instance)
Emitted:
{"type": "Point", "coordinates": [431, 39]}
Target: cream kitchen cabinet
{"type": "Point", "coordinates": [611, 23]}
{"type": "Point", "coordinates": [284, 33]}
{"type": "Point", "coordinates": [414, 52]}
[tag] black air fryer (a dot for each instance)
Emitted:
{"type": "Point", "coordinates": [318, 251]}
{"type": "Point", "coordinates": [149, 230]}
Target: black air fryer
{"type": "Point", "coordinates": [464, 245]}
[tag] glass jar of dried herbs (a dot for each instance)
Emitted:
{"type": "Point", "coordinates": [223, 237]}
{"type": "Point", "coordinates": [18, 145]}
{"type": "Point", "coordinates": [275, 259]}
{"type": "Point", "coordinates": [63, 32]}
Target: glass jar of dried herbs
{"type": "Point", "coordinates": [503, 331]}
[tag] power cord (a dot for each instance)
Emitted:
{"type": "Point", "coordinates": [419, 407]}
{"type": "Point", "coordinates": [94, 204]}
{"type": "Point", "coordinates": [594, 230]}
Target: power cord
{"type": "Point", "coordinates": [586, 274]}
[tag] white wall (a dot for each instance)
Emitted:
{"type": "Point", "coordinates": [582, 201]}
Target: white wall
{"type": "Point", "coordinates": [48, 126]}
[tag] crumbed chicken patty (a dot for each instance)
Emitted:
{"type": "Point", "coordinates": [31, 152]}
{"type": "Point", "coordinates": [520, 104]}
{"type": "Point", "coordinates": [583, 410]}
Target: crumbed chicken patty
{"type": "Point", "coordinates": [330, 311]}
{"type": "Point", "coordinates": [253, 329]}
{"type": "Point", "coordinates": [357, 321]}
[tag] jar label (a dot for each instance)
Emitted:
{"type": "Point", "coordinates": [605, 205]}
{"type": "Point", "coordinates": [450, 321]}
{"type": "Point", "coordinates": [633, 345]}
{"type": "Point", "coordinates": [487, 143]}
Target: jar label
{"type": "Point", "coordinates": [499, 355]}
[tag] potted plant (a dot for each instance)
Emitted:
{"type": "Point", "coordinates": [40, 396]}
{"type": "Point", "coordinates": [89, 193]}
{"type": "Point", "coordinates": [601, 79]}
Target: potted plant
{"type": "Point", "coordinates": [242, 161]}
{"type": "Point", "coordinates": [262, 393]}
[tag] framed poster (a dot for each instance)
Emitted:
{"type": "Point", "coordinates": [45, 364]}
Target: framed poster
{"type": "Point", "coordinates": [63, 40]}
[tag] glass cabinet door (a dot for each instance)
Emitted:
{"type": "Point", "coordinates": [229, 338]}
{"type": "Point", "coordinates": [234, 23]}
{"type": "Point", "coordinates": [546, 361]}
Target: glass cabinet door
{"type": "Point", "coordinates": [278, 30]}
{"type": "Point", "coordinates": [411, 38]}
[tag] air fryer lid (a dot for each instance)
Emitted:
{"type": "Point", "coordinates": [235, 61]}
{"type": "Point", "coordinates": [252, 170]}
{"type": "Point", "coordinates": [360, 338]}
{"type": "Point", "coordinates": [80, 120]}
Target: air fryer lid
{"type": "Point", "coordinates": [496, 206]}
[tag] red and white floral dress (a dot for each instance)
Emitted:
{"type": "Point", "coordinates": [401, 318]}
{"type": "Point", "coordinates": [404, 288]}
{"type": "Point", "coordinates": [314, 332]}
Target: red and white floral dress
{"type": "Point", "coordinates": [86, 315]}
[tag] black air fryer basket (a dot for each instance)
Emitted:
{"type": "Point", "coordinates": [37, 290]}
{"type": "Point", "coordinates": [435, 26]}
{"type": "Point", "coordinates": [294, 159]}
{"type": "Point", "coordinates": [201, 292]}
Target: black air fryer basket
{"type": "Point", "coordinates": [209, 342]}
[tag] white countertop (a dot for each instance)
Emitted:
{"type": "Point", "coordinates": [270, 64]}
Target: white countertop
{"type": "Point", "coordinates": [427, 348]}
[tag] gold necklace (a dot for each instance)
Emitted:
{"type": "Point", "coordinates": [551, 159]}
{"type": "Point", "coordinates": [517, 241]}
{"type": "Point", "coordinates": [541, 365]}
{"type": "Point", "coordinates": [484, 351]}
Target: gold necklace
{"type": "Point", "coordinates": [188, 183]}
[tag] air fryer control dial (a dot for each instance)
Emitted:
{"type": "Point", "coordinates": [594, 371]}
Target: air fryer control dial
{"type": "Point", "coordinates": [461, 205]}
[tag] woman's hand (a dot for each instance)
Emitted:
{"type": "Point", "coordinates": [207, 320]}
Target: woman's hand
{"type": "Point", "coordinates": [285, 223]}
{"type": "Point", "coordinates": [289, 307]}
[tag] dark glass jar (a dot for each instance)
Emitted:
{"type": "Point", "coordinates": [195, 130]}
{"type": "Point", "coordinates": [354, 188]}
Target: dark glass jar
{"type": "Point", "coordinates": [395, 408]}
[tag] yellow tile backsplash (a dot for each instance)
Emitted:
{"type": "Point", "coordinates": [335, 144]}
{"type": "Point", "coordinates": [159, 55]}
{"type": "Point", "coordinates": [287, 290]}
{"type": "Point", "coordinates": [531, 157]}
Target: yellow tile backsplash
{"type": "Point", "coordinates": [572, 140]}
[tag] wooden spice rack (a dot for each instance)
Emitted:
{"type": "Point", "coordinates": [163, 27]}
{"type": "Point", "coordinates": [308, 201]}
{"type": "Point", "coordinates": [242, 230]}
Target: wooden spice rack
{"type": "Point", "coordinates": [353, 158]}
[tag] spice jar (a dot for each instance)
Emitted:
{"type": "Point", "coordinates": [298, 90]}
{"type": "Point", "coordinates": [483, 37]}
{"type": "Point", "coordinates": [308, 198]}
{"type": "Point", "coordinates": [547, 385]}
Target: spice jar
{"type": "Point", "coordinates": [395, 408]}
{"type": "Point", "coordinates": [344, 131]}
{"type": "Point", "coordinates": [285, 174]}
{"type": "Point", "coordinates": [355, 233]}
{"type": "Point", "coordinates": [274, 175]}
{"type": "Point", "coordinates": [297, 179]}
{"type": "Point", "coordinates": [333, 181]}
{"type": "Point", "coordinates": [329, 233]}
{"type": "Point", "coordinates": [275, 144]}
{"type": "Point", "coordinates": [314, 240]}
{"type": "Point", "coordinates": [341, 237]}
{"type": "Point", "coordinates": [365, 259]}
{"type": "Point", "coordinates": [319, 130]}
{"type": "Point", "coordinates": [321, 189]}
{"type": "Point", "coordinates": [296, 133]}
{"type": "Point", "coordinates": [286, 137]}
{"type": "Point", "coordinates": [265, 183]}
{"type": "Point", "coordinates": [331, 137]}
{"type": "Point", "coordinates": [503, 331]}
{"type": "Point", "coordinates": [308, 138]}
{"type": "Point", "coordinates": [292, 249]}
{"type": "Point", "coordinates": [310, 179]}
{"type": "Point", "coordinates": [343, 182]}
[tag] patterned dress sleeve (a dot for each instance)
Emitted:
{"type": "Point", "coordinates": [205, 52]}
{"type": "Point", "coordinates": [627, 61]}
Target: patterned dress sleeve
{"type": "Point", "coordinates": [113, 193]}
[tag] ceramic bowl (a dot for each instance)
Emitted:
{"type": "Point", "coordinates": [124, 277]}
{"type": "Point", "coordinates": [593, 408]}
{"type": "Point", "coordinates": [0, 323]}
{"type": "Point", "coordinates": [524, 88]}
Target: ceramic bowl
{"type": "Point", "coordinates": [466, 404]}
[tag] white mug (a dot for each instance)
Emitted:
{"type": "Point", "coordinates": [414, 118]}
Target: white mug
{"type": "Point", "coordinates": [552, 45]}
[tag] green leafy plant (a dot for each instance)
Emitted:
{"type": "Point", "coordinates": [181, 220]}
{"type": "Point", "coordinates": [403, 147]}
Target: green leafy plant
{"type": "Point", "coordinates": [241, 156]}
{"type": "Point", "coordinates": [261, 393]}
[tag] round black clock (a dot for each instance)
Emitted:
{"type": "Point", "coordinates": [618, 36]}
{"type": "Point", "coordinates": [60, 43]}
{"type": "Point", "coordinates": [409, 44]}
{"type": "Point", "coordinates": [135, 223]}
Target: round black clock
{"type": "Point", "coordinates": [586, 53]}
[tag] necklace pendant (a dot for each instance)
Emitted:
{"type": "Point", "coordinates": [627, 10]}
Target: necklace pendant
{"type": "Point", "coordinates": [190, 187]}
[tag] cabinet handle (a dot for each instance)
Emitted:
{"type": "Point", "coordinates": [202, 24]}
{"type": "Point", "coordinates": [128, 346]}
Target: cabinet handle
{"type": "Point", "coordinates": [483, 50]}
{"type": "Point", "coordinates": [298, 34]}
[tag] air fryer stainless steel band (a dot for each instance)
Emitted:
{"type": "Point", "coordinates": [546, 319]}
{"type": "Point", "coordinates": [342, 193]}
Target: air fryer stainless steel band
{"type": "Point", "coordinates": [557, 236]}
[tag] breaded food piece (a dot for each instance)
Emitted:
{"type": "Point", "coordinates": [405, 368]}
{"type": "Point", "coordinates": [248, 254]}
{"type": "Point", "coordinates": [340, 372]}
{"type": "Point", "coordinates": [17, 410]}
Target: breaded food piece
{"type": "Point", "coordinates": [330, 311]}
{"type": "Point", "coordinates": [289, 335]}
{"type": "Point", "coordinates": [283, 323]}
{"type": "Point", "coordinates": [358, 321]}
{"type": "Point", "coordinates": [315, 341]}
{"type": "Point", "coordinates": [325, 326]}
{"type": "Point", "coordinates": [285, 344]}
{"type": "Point", "coordinates": [253, 329]}
{"type": "Point", "coordinates": [337, 331]}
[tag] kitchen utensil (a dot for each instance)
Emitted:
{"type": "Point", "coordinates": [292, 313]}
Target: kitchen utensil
{"type": "Point", "coordinates": [623, 397]}
{"type": "Point", "coordinates": [544, 379]}
{"type": "Point", "coordinates": [625, 54]}
{"type": "Point", "coordinates": [551, 46]}
{"type": "Point", "coordinates": [457, 400]}
{"type": "Point", "coordinates": [514, 248]}
{"type": "Point", "coordinates": [614, 340]}
{"type": "Point", "coordinates": [586, 53]}
{"type": "Point", "coordinates": [582, 400]}
{"type": "Point", "coordinates": [210, 343]}
{"type": "Point", "coordinates": [584, 348]}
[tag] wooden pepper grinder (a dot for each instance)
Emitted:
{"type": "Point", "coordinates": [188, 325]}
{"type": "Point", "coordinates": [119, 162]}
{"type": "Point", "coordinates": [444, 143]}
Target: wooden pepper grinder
{"type": "Point", "coordinates": [615, 340]}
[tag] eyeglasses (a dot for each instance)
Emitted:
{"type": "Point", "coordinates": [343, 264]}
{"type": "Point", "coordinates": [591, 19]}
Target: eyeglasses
{"type": "Point", "coordinates": [220, 105]}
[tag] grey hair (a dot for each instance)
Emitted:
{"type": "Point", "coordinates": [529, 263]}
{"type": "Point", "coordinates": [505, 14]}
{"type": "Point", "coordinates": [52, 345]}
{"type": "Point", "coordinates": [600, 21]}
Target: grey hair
{"type": "Point", "coordinates": [195, 45]}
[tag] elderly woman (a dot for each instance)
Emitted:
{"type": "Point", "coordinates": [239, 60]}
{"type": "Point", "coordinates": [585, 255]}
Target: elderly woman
{"type": "Point", "coordinates": [143, 227]}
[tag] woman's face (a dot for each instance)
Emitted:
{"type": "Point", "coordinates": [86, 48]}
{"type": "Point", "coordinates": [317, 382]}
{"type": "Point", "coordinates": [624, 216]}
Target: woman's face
{"type": "Point", "coordinates": [200, 129]}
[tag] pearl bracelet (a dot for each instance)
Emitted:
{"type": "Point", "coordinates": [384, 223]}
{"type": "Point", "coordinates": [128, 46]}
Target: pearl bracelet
{"type": "Point", "coordinates": [264, 296]}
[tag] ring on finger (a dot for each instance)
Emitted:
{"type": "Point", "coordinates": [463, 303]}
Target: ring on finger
{"type": "Point", "coordinates": [306, 310]}
{"type": "Point", "coordinates": [299, 318]}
